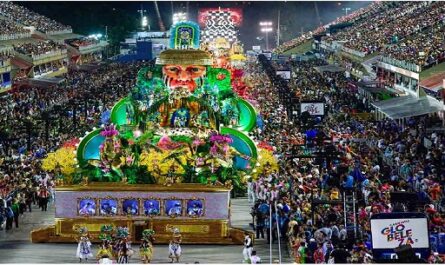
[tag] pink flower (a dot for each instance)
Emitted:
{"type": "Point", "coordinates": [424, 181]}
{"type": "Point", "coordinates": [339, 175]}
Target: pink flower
{"type": "Point", "coordinates": [109, 131]}
{"type": "Point", "coordinates": [219, 138]}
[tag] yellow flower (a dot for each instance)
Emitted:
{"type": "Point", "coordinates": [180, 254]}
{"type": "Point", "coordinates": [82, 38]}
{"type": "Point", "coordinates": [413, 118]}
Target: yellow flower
{"type": "Point", "coordinates": [63, 158]}
{"type": "Point", "coordinates": [267, 162]}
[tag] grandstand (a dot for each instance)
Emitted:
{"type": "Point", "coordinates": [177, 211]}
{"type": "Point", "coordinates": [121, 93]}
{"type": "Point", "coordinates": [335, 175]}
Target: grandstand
{"type": "Point", "coordinates": [33, 46]}
{"type": "Point", "coordinates": [391, 43]}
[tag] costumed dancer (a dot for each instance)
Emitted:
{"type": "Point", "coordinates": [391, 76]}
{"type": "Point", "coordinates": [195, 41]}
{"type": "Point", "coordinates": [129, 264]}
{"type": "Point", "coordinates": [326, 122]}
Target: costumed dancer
{"type": "Point", "coordinates": [174, 247]}
{"type": "Point", "coordinates": [123, 245]}
{"type": "Point", "coordinates": [84, 246]}
{"type": "Point", "coordinates": [248, 246]}
{"type": "Point", "coordinates": [105, 248]}
{"type": "Point", "coordinates": [146, 248]}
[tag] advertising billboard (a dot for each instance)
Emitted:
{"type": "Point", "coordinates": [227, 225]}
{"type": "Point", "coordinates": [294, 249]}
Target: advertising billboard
{"type": "Point", "coordinates": [314, 108]}
{"type": "Point", "coordinates": [393, 230]}
{"type": "Point", "coordinates": [393, 233]}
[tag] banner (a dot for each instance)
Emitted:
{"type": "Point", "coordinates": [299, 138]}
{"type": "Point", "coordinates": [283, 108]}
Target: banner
{"type": "Point", "coordinates": [392, 233]}
{"type": "Point", "coordinates": [314, 108]}
{"type": "Point", "coordinates": [284, 74]}
{"type": "Point", "coordinates": [256, 48]}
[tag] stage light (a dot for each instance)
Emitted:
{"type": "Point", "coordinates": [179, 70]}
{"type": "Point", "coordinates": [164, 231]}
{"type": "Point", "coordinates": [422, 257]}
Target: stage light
{"type": "Point", "coordinates": [265, 23]}
{"type": "Point", "coordinates": [266, 27]}
{"type": "Point", "coordinates": [144, 21]}
{"type": "Point", "coordinates": [179, 17]}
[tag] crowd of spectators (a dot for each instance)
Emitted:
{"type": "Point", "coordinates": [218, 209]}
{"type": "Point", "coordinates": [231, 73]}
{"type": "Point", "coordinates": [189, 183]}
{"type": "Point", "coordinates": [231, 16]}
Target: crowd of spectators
{"type": "Point", "coordinates": [24, 143]}
{"type": "Point", "coordinates": [83, 42]}
{"type": "Point", "coordinates": [399, 30]}
{"type": "Point", "coordinates": [4, 56]}
{"type": "Point", "coordinates": [349, 18]}
{"type": "Point", "coordinates": [26, 17]}
{"type": "Point", "coordinates": [425, 48]}
{"type": "Point", "coordinates": [11, 30]}
{"type": "Point", "coordinates": [38, 48]}
{"type": "Point", "coordinates": [371, 158]}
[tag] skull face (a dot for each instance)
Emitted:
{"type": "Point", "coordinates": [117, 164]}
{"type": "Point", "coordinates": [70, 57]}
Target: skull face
{"type": "Point", "coordinates": [182, 78]}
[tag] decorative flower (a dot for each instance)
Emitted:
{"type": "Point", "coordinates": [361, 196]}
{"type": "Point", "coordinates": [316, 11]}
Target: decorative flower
{"type": "Point", "coordinates": [219, 138]}
{"type": "Point", "coordinates": [64, 158]}
{"type": "Point", "coordinates": [198, 142]}
{"type": "Point", "coordinates": [166, 143]}
{"type": "Point", "coordinates": [109, 131]}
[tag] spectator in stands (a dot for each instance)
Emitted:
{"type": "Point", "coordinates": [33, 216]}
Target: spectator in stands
{"type": "Point", "coordinates": [24, 16]}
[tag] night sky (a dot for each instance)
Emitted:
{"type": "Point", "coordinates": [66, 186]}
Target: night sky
{"type": "Point", "coordinates": [122, 17]}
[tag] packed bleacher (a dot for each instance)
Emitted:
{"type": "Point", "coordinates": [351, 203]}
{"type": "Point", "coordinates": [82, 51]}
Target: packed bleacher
{"type": "Point", "coordinates": [372, 158]}
{"type": "Point", "coordinates": [22, 182]}
{"type": "Point", "coordinates": [398, 30]}
{"type": "Point", "coordinates": [82, 42]}
{"type": "Point", "coordinates": [10, 30]}
{"type": "Point", "coordinates": [426, 48]}
{"type": "Point", "coordinates": [38, 48]}
{"type": "Point", "coordinates": [357, 14]}
{"type": "Point", "coordinates": [19, 14]}
{"type": "Point", "coordinates": [403, 32]}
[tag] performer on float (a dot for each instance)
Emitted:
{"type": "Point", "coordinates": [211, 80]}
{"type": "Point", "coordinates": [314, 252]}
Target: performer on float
{"type": "Point", "coordinates": [146, 248]}
{"type": "Point", "coordinates": [248, 246]}
{"type": "Point", "coordinates": [84, 246]}
{"type": "Point", "coordinates": [174, 247]}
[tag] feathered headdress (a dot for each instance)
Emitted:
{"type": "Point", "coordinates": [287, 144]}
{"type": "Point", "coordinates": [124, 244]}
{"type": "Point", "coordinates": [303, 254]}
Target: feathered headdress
{"type": "Point", "coordinates": [104, 237]}
{"type": "Point", "coordinates": [147, 233]}
{"type": "Point", "coordinates": [83, 230]}
{"type": "Point", "coordinates": [122, 232]}
{"type": "Point", "coordinates": [106, 229]}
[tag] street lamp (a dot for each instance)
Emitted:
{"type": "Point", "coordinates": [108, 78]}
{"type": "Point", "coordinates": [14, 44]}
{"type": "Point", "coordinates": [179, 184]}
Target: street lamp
{"type": "Point", "coordinates": [346, 9]}
{"type": "Point", "coordinates": [179, 17]}
{"type": "Point", "coordinates": [266, 27]}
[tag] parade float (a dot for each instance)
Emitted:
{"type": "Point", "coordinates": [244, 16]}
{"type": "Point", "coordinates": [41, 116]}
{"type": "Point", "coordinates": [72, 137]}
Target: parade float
{"type": "Point", "coordinates": [171, 154]}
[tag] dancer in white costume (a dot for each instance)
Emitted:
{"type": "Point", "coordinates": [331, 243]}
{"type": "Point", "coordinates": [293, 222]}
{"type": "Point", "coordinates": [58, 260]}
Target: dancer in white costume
{"type": "Point", "coordinates": [84, 246]}
{"type": "Point", "coordinates": [174, 248]}
{"type": "Point", "coordinates": [248, 246]}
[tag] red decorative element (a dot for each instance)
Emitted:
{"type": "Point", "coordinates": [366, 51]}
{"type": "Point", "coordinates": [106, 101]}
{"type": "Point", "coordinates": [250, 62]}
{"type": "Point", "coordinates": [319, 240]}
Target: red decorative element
{"type": "Point", "coordinates": [236, 15]}
{"type": "Point", "coordinates": [266, 146]}
{"type": "Point", "coordinates": [237, 73]}
{"type": "Point", "coordinates": [221, 76]}
{"type": "Point", "coordinates": [71, 143]}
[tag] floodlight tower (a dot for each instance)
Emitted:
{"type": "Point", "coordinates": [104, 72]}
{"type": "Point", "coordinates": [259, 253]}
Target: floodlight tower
{"type": "Point", "coordinates": [266, 27]}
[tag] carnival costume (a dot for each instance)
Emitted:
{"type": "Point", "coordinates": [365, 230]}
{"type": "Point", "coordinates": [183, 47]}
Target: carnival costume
{"type": "Point", "coordinates": [105, 248]}
{"type": "Point", "coordinates": [84, 246]}
{"type": "Point", "coordinates": [248, 246]}
{"type": "Point", "coordinates": [123, 245]}
{"type": "Point", "coordinates": [174, 248]}
{"type": "Point", "coordinates": [146, 248]}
